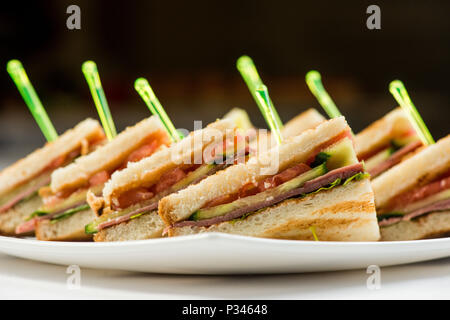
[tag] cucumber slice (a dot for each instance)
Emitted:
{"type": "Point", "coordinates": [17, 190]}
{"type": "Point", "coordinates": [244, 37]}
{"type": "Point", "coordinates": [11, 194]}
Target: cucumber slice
{"type": "Point", "coordinates": [201, 171]}
{"type": "Point", "coordinates": [69, 213]}
{"type": "Point", "coordinates": [43, 178]}
{"type": "Point", "coordinates": [399, 143]}
{"type": "Point", "coordinates": [73, 199]}
{"type": "Point", "coordinates": [243, 202]}
{"type": "Point", "coordinates": [378, 158]}
{"type": "Point", "coordinates": [341, 154]}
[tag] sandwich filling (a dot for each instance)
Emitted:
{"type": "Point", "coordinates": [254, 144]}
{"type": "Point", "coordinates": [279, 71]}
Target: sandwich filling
{"type": "Point", "coordinates": [389, 155]}
{"type": "Point", "coordinates": [136, 202]}
{"type": "Point", "coordinates": [431, 197]}
{"type": "Point", "coordinates": [29, 188]}
{"type": "Point", "coordinates": [65, 203]}
{"type": "Point", "coordinates": [330, 165]}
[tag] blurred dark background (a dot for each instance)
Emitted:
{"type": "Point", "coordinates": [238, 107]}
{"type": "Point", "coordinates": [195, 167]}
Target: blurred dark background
{"type": "Point", "coordinates": [188, 50]}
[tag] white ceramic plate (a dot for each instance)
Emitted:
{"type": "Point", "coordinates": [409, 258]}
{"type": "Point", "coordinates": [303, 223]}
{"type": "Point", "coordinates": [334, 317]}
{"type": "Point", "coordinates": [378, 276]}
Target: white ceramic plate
{"type": "Point", "coordinates": [216, 253]}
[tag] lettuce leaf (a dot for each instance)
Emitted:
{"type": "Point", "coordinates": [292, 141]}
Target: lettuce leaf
{"type": "Point", "coordinates": [37, 213]}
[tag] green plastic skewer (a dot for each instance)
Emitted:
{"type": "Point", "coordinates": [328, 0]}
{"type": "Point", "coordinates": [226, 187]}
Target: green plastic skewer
{"type": "Point", "coordinates": [146, 92]}
{"type": "Point", "coordinates": [90, 72]}
{"type": "Point", "coordinates": [314, 82]}
{"type": "Point", "coordinates": [20, 78]}
{"type": "Point", "coordinates": [251, 77]}
{"type": "Point", "coordinates": [400, 94]}
{"type": "Point", "coordinates": [269, 111]}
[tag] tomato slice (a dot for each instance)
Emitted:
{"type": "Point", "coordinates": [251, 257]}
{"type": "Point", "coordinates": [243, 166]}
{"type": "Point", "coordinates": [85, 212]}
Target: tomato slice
{"type": "Point", "coordinates": [99, 178]}
{"type": "Point", "coordinates": [168, 179]}
{"type": "Point", "coordinates": [131, 197]}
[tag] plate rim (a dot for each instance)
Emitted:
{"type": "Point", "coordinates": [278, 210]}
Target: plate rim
{"type": "Point", "coordinates": [215, 236]}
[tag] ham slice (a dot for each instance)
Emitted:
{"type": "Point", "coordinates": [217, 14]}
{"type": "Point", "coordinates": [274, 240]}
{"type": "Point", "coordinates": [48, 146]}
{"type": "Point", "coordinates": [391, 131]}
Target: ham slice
{"type": "Point", "coordinates": [434, 207]}
{"type": "Point", "coordinates": [395, 158]}
{"type": "Point", "coordinates": [30, 225]}
{"type": "Point", "coordinates": [310, 186]}
{"type": "Point", "coordinates": [11, 203]}
{"type": "Point", "coordinates": [127, 216]}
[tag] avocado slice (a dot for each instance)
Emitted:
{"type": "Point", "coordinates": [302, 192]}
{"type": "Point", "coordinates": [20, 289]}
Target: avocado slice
{"type": "Point", "coordinates": [287, 186]}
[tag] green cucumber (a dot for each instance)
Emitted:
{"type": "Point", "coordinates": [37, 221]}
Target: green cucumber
{"type": "Point", "coordinates": [399, 143]}
{"type": "Point", "coordinates": [341, 155]}
{"type": "Point", "coordinates": [24, 187]}
{"type": "Point", "coordinates": [69, 213]}
{"type": "Point", "coordinates": [73, 199]}
{"type": "Point", "coordinates": [201, 171]}
{"type": "Point", "coordinates": [243, 202]}
{"type": "Point", "coordinates": [378, 158]}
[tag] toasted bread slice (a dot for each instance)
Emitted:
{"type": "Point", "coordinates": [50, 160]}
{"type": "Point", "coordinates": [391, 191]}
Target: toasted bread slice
{"type": "Point", "coordinates": [308, 119]}
{"type": "Point", "coordinates": [10, 219]}
{"type": "Point", "coordinates": [147, 171]}
{"type": "Point", "coordinates": [179, 206]}
{"type": "Point", "coordinates": [147, 226]}
{"type": "Point", "coordinates": [381, 132]}
{"type": "Point", "coordinates": [432, 225]}
{"type": "Point", "coordinates": [344, 213]}
{"type": "Point", "coordinates": [240, 118]}
{"type": "Point", "coordinates": [109, 156]}
{"type": "Point", "coordinates": [68, 229]}
{"type": "Point", "coordinates": [417, 170]}
{"type": "Point", "coordinates": [37, 161]}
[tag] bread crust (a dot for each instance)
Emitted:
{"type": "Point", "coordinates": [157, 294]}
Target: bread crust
{"type": "Point", "coordinates": [147, 226]}
{"type": "Point", "coordinates": [107, 156]}
{"type": "Point", "coordinates": [381, 132]}
{"type": "Point", "coordinates": [179, 206]}
{"type": "Point", "coordinates": [12, 218]}
{"type": "Point", "coordinates": [33, 164]}
{"type": "Point", "coordinates": [432, 225]}
{"type": "Point", "coordinates": [68, 229]}
{"type": "Point", "coordinates": [419, 169]}
{"type": "Point", "coordinates": [147, 171]}
{"type": "Point", "coordinates": [344, 213]}
{"type": "Point", "coordinates": [308, 119]}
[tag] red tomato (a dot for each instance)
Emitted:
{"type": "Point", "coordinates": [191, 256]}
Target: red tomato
{"type": "Point", "coordinates": [282, 177]}
{"type": "Point", "coordinates": [131, 197]}
{"type": "Point", "coordinates": [143, 152]}
{"type": "Point", "coordinates": [99, 178]}
{"type": "Point", "coordinates": [221, 200]}
{"type": "Point", "coordinates": [168, 179]}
